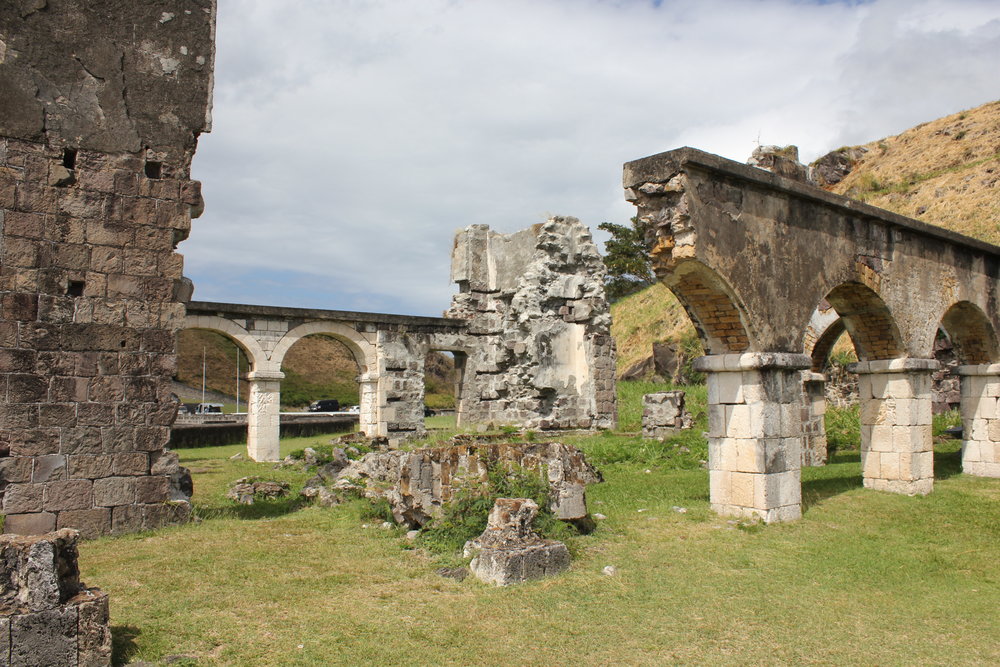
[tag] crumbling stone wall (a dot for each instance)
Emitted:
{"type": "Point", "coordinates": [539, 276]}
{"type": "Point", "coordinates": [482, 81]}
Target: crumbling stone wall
{"type": "Point", "coordinates": [47, 616]}
{"type": "Point", "coordinates": [543, 356]}
{"type": "Point", "coordinates": [101, 106]}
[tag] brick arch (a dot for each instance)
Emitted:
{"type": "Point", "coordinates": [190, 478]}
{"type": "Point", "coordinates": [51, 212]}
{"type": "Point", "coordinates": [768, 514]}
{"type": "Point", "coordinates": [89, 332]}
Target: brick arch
{"type": "Point", "coordinates": [971, 333]}
{"type": "Point", "coordinates": [712, 306]}
{"type": "Point", "coordinates": [868, 321]}
{"type": "Point", "coordinates": [820, 352]}
{"type": "Point", "coordinates": [362, 348]}
{"type": "Point", "coordinates": [258, 358]}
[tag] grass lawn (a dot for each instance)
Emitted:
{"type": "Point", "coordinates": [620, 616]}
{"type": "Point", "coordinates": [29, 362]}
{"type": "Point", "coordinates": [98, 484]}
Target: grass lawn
{"type": "Point", "coordinates": [863, 578]}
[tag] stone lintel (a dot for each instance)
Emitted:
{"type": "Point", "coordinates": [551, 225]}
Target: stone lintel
{"type": "Point", "coordinates": [979, 369]}
{"type": "Point", "coordinates": [903, 365]}
{"type": "Point", "coordinates": [722, 363]}
{"type": "Point", "coordinates": [276, 376]}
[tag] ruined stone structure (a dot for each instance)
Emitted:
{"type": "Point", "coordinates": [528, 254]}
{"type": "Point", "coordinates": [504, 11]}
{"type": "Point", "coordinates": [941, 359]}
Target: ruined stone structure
{"type": "Point", "coordinates": [509, 551]}
{"type": "Point", "coordinates": [543, 355]}
{"type": "Point", "coordinates": [47, 617]}
{"type": "Point", "coordinates": [390, 351]}
{"type": "Point", "coordinates": [664, 415]}
{"type": "Point", "coordinates": [752, 255]}
{"type": "Point", "coordinates": [102, 103]}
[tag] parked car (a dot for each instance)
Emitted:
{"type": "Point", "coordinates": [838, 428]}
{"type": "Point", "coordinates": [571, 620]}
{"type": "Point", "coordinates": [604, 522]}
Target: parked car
{"type": "Point", "coordinates": [203, 408]}
{"type": "Point", "coordinates": [354, 409]}
{"type": "Point", "coordinates": [325, 405]}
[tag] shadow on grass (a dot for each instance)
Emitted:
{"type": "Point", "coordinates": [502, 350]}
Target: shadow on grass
{"type": "Point", "coordinates": [123, 643]}
{"type": "Point", "coordinates": [261, 509]}
{"type": "Point", "coordinates": [815, 491]}
{"type": "Point", "coordinates": [947, 463]}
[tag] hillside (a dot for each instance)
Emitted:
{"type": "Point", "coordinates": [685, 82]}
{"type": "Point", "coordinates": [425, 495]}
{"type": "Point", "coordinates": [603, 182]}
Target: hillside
{"type": "Point", "coordinates": [945, 172]}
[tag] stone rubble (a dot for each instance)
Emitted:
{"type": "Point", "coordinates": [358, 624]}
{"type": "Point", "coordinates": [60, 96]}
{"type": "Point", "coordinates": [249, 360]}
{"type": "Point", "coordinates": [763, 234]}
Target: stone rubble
{"type": "Point", "coordinates": [664, 415]}
{"type": "Point", "coordinates": [509, 551]}
{"type": "Point", "coordinates": [246, 490]}
{"type": "Point", "coordinates": [417, 483]}
{"type": "Point", "coordinates": [47, 616]}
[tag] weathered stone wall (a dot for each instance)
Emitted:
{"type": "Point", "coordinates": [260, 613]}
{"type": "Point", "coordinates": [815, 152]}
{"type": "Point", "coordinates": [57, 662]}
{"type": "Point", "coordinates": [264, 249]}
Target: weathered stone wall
{"type": "Point", "coordinates": [47, 617]}
{"type": "Point", "coordinates": [543, 355]}
{"type": "Point", "coordinates": [663, 415]}
{"type": "Point", "coordinates": [101, 106]}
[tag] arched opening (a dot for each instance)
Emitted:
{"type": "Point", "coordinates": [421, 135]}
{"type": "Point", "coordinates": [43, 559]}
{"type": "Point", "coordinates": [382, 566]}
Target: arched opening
{"type": "Point", "coordinates": [867, 320]}
{"type": "Point", "coordinates": [443, 371]}
{"type": "Point", "coordinates": [970, 333]}
{"type": "Point", "coordinates": [211, 372]}
{"type": "Point", "coordinates": [712, 307]}
{"type": "Point", "coordinates": [321, 375]}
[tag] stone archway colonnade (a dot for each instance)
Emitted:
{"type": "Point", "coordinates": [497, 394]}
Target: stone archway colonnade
{"type": "Point", "coordinates": [771, 271]}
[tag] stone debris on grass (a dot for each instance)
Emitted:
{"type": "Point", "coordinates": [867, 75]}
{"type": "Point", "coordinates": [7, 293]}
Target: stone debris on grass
{"type": "Point", "coordinates": [509, 551]}
{"type": "Point", "coordinates": [609, 570]}
{"type": "Point", "coordinates": [246, 490]}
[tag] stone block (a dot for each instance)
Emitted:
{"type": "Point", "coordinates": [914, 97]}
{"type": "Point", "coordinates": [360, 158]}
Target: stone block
{"type": "Point", "coordinates": [15, 470]}
{"type": "Point", "coordinates": [112, 491]}
{"type": "Point", "coordinates": [126, 519]}
{"type": "Point", "coordinates": [23, 498]}
{"type": "Point", "coordinates": [89, 466]}
{"type": "Point", "coordinates": [93, 628]}
{"type": "Point", "coordinates": [509, 551]}
{"type": "Point", "coordinates": [150, 489]}
{"type": "Point", "coordinates": [48, 468]}
{"type": "Point", "coordinates": [44, 638]}
{"type": "Point", "coordinates": [89, 523]}
{"type": "Point", "coordinates": [130, 463]}
{"type": "Point", "coordinates": [69, 495]}
{"type": "Point", "coordinates": [35, 523]}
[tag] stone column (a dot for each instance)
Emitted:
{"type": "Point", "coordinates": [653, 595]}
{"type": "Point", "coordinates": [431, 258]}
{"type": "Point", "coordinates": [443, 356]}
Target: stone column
{"type": "Point", "coordinates": [980, 420]}
{"type": "Point", "coordinates": [264, 415]}
{"type": "Point", "coordinates": [368, 405]}
{"type": "Point", "coordinates": [814, 450]}
{"type": "Point", "coordinates": [755, 433]}
{"type": "Point", "coordinates": [897, 452]}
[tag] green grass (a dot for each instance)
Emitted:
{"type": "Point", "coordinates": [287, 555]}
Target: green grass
{"type": "Point", "coordinates": [863, 578]}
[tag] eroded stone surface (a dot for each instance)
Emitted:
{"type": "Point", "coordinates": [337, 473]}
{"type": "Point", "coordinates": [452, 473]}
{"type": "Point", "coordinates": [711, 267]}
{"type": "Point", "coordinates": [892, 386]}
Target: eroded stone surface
{"type": "Point", "coordinates": [419, 482]}
{"type": "Point", "coordinates": [509, 551]}
{"type": "Point", "coordinates": [664, 415]}
{"type": "Point", "coordinates": [535, 303]}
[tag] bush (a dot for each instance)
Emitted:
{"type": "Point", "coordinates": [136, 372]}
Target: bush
{"type": "Point", "coordinates": [843, 428]}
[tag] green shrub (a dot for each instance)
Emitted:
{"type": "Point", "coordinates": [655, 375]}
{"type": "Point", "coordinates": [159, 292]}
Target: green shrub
{"type": "Point", "coordinates": [843, 428]}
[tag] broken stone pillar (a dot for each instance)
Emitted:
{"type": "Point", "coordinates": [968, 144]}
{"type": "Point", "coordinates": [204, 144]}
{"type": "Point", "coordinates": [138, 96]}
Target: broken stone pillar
{"type": "Point", "coordinates": [980, 419]}
{"type": "Point", "coordinates": [101, 106]}
{"type": "Point", "coordinates": [897, 452]}
{"type": "Point", "coordinates": [543, 357]}
{"type": "Point", "coordinates": [47, 617]}
{"type": "Point", "coordinates": [401, 388]}
{"type": "Point", "coordinates": [264, 415]}
{"type": "Point", "coordinates": [509, 551]}
{"type": "Point", "coordinates": [663, 415]}
{"type": "Point", "coordinates": [368, 404]}
{"type": "Point", "coordinates": [814, 450]}
{"type": "Point", "coordinates": [755, 433]}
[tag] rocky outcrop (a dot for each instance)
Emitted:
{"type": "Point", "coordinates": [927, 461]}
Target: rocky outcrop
{"type": "Point", "coordinates": [543, 356]}
{"type": "Point", "coordinates": [833, 167]}
{"type": "Point", "coordinates": [47, 616]}
{"type": "Point", "coordinates": [509, 551]}
{"type": "Point", "coordinates": [781, 160]}
{"type": "Point", "coordinates": [417, 483]}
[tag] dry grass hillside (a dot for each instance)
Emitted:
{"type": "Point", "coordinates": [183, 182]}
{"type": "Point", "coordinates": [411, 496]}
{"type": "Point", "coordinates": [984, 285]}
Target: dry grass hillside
{"type": "Point", "coordinates": [945, 172]}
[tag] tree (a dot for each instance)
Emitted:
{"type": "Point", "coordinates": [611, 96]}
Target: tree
{"type": "Point", "coordinates": [626, 259]}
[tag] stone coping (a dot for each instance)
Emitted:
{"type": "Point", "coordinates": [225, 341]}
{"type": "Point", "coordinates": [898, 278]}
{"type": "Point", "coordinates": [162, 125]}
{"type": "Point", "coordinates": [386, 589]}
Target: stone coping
{"type": "Point", "coordinates": [662, 166]}
{"type": "Point", "coordinates": [979, 369]}
{"type": "Point", "coordinates": [265, 375]}
{"type": "Point", "coordinates": [720, 363]}
{"type": "Point", "coordinates": [904, 365]}
{"type": "Point", "coordinates": [811, 376]}
{"type": "Point", "coordinates": [242, 310]}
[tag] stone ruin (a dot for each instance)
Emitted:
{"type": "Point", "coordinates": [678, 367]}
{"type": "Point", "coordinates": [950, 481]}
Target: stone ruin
{"type": "Point", "coordinates": [101, 109]}
{"type": "Point", "coordinates": [509, 551]}
{"type": "Point", "coordinates": [664, 415]}
{"type": "Point", "coordinates": [418, 483]}
{"type": "Point", "coordinates": [47, 616]}
{"type": "Point", "coordinates": [543, 357]}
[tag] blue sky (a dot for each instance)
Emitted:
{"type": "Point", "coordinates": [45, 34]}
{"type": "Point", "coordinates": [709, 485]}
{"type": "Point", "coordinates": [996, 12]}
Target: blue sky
{"type": "Point", "coordinates": [351, 139]}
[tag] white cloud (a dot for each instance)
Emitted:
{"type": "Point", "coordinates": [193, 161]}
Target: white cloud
{"type": "Point", "coordinates": [351, 139]}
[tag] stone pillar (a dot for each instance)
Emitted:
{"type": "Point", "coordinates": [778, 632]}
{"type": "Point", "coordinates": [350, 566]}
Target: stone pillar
{"type": "Point", "coordinates": [755, 433]}
{"type": "Point", "coordinates": [980, 420]}
{"type": "Point", "coordinates": [264, 415]}
{"type": "Point", "coordinates": [897, 452]}
{"type": "Point", "coordinates": [814, 450]}
{"type": "Point", "coordinates": [368, 405]}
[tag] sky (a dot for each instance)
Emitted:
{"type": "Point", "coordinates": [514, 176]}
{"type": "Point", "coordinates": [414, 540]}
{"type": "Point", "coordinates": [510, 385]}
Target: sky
{"type": "Point", "coordinates": [352, 138]}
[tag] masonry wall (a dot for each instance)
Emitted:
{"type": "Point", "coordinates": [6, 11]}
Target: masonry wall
{"type": "Point", "coordinates": [101, 108]}
{"type": "Point", "coordinates": [543, 354]}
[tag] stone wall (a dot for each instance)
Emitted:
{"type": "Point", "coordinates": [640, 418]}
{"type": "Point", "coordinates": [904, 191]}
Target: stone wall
{"type": "Point", "coordinates": [543, 356]}
{"type": "Point", "coordinates": [47, 617]}
{"type": "Point", "coordinates": [101, 108]}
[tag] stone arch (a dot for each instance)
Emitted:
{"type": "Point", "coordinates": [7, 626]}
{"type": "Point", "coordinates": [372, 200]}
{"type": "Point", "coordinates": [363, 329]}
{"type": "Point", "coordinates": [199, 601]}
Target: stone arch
{"type": "Point", "coordinates": [868, 321]}
{"type": "Point", "coordinates": [712, 306]}
{"type": "Point", "coordinates": [971, 333]}
{"type": "Point", "coordinates": [362, 349]}
{"type": "Point", "coordinates": [255, 353]}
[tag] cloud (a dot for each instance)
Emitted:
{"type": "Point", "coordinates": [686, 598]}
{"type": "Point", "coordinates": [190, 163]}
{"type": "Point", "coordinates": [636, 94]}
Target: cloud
{"type": "Point", "coordinates": [352, 139]}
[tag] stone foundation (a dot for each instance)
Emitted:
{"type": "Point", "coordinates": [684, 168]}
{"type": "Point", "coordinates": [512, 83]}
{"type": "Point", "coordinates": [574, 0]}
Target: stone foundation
{"type": "Point", "coordinates": [542, 354]}
{"type": "Point", "coordinates": [47, 617]}
{"type": "Point", "coordinates": [663, 415]}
